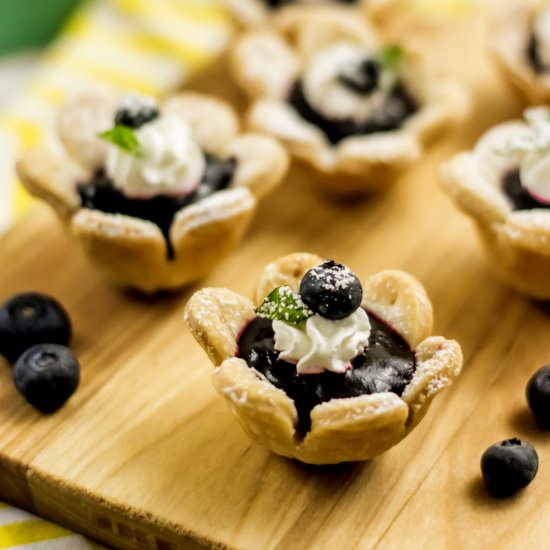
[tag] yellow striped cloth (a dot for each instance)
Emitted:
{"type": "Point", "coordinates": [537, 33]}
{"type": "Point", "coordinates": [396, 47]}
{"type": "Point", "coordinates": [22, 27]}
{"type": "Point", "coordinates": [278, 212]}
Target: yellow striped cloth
{"type": "Point", "coordinates": [150, 46]}
{"type": "Point", "coordinates": [21, 530]}
{"type": "Point", "coordinates": [146, 45]}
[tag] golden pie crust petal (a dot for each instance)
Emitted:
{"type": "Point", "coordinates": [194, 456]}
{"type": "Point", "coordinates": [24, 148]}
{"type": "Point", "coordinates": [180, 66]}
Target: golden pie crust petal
{"type": "Point", "coordinates": [310, 30]}
{"type": "Point", "coordinates": [463, 180]}
{"type": "Point", "coordinates": [400, 301]}
{"type": "Point", "coordinates": [49, 175]}
{"type": "Point", "coordinates": [438, 364]}
{"type": "Point", "coordinates": [130, 250]}
{"type": "Point", "coordinates": [265, 412]}
{"type": "Point", "coordinates": [263, 64]}
{"type": "Point", "coordinates": [355, 428]}
{"type": "Point", "coordinates": [215, 317]}
{"type": "Point", "coordinates": [80, 119]}
{"type": "Point", "coordinates": [286, 271]}
{"type": "Point", "coordinates": [262, 163]}
{"type": "Point", "coordinates": [214, 123]}
{"type": "Point", "coordinates": [511, 28]}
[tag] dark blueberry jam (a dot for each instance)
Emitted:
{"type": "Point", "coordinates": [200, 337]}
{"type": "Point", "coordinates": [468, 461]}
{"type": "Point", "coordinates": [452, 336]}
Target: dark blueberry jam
{"type": "Point", "coordinates": [533, 55]}
{"type": "Point", "coordinates": [274, 4]}
{"type": "Point", "coordinates": [101, 194]}
{"type": "Point", "coordinates": [518, 195]}
{"type": "Point", "coordinates": [387, 365]}
{"type": "Point", "coordinates": [398, 107]}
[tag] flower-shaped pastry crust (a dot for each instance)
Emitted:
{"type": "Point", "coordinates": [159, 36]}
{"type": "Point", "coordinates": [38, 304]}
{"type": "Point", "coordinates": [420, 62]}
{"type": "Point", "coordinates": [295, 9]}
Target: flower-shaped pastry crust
{"type": "Point", "coordinates": [255, 13]}
{"type": "Point", "coordinates": [516, 241]}
{"type": "Point", "coordinates": [131, 250]}
{"type": "Point", "coordinates": [513, 42]}
{"type": "Point", "coordinates": [267, 64]}
{"type": "Point", "coordinates": [346, 429]}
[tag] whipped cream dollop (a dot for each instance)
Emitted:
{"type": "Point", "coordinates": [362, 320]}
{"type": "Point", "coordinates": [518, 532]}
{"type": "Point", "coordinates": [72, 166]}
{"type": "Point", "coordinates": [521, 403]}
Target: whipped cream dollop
{"type": "Point", "coordinates": [323, 344]}
{"type": "Point", "coordinates": [533, 149]}
{"type": "Point", "coordinates": [541, 30]}
{"type": "Point", "coordinates": [169, 160]}
{"type": "Point", "coordinates": [325, 91]}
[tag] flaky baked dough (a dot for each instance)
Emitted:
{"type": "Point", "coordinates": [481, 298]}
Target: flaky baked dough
{"type": "Point", "coordinates": [265, 63]}
{"type": "Point", "coordinates": [253, 13]}
{"type": "Point", "coordinates": [511, 27]}
{"type": "Point", "coordinates": [133, 251]}
{"type": "Point", "coordinates": [342, 430]}
{"type": "Point", "coordinates": [517, 242]}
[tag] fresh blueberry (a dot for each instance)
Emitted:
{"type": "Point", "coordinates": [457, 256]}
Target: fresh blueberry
{"type": "Point", "coordinates": [135, 118]}
{"type": "Point", "coordinates": [29, 319]}
{"type": "Point", "coordinates": [332, 290]}
{"type": "Point", "coordinates": [509, 466]}
{"type": "Point", "coordinates": [362, 79]}
{"type": "Point", "coordinates": [47, 375]}
{"type": "Point", "coordinates": [538, 396]}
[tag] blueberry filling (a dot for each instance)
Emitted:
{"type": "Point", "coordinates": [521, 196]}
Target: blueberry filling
{"type": "Point", "coordinates": [520, 198]}
{"type": "Point", "coordinates": [387, 365]}
{"type": "Point", "coordinates": [397, 108]}
{"type": "Point", "coordinates": [100, 194]}
{"type": "Point", "coordinates": [274, 4]}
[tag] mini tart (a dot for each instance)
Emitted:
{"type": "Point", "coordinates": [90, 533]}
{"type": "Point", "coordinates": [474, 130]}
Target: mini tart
{"type": "Point", "coordinates": [256, 13]}
{"type": "Point", "coordinates": [517, 240]}
{"type": "Point", "coordinates": [511, 40]}
{"type": "Point", "coordinates": [267, 65]}
{"type": "Point", "coordinates": [133, 251]}
{"type": "Point", "coordinates": [344, 429]}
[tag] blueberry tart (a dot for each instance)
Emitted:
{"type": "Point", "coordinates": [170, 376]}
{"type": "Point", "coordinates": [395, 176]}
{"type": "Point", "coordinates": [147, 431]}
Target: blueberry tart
{"type": "Point", "coordinates": [503, 184]}
{"type": "Point", "coordinates": [521, 43]}
{"type": "Point", "coordinates": [155, 193]}
{"type": "Point", "coordinates": [353, 109]}
{"type": "Point", "coordinates": [254, 13]}
{"type": "Point", "coordinates": [323, 368]}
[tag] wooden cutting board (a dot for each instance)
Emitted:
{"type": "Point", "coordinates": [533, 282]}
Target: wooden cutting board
{"type": "Point", "coordinates": [147, 456]}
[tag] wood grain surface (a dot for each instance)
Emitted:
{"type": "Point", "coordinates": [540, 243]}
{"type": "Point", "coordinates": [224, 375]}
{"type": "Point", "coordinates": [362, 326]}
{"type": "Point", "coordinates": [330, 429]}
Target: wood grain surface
{"type": "Point", "coordinates": [145, 455]}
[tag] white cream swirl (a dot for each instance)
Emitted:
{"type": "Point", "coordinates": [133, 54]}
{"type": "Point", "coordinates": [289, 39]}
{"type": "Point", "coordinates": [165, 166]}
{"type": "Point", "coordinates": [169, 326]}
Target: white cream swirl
{"type": "Point", "coordinates": [541, 30]}
{"type": "Point", "coordinates": [329, 96]}
{"type": "Point", "coordinates": [533, 149]}
{"type": "Point", "coordinates": [323, 344]}
{"type": "Point", "coordinates": [171, 161]}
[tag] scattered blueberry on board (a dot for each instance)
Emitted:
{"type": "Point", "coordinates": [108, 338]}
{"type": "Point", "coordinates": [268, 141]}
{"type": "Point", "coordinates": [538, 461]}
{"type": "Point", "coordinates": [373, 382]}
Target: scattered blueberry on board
{"type": "Point", "coordinates": [34, 332]}
{"type": "Point", "coordinates": [331, 290]}
{"type": "Point", "coordinates": [29, 319]}
{"type": "Point", "coordinates": [509, 466]}
{"type": "Point", "coordinates": [47, 375]}
{"type": "Point", "coordinates": [538, 396]}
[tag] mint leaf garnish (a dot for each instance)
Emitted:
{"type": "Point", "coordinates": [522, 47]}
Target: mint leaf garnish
{"type": "Point", "coordinates": [391, 58]}
{"type": "Point", "coordinates": [123, 137]}
{"type": "Point", "coordinates": [283, 304]}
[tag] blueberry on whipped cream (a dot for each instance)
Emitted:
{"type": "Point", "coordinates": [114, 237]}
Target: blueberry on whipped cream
{"type": "Point", "coordinates": [347, 89]}
{"type": "Point", "coordinates": [528, 183]}
{"type": "Point", "coordinates": [135, 110]}
{"type": "Point", "coordinates": [153, 166]}
{"type": "Point", "coordinates": [319, 344]}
